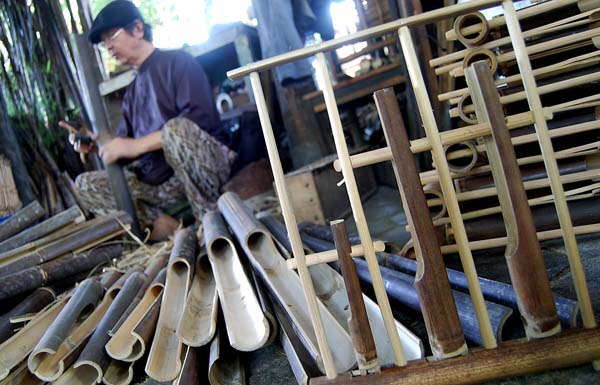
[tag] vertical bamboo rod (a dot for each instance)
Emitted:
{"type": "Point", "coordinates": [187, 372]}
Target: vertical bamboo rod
{"type": "Point", "coordinates": [541, 128]}
{"type": "Point", "coordinates": [357, 210]}
{"type": "Point", "coordinates": [437, 151]}
{"type": "Point", "coordinates": [291, 225]}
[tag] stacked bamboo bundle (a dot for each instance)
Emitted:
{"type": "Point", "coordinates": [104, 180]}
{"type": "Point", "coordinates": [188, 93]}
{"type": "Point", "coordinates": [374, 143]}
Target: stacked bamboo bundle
{"type": "Point", "coordinates": [9, 197]}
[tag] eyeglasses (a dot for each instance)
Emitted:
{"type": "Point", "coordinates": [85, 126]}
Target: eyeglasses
{"type": "Point", "coordinates": [112, 37]}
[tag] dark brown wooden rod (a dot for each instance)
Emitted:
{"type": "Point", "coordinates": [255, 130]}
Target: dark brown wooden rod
{"type": "Point", "coordinates": [514, 358]}
{"type": "Point", "coordinates": [523, 254]}
{"type": "Point", "coordinates": [358, 322]}
{"type": "Point", "coordinates": [433, 289]}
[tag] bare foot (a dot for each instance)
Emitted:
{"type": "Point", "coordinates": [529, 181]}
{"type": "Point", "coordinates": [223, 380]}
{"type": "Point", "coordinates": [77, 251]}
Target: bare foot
{"type": "Point", "coordinates": [163, 227]}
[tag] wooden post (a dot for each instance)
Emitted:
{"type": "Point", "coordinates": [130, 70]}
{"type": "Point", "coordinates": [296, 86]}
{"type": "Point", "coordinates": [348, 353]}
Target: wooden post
{"type": "Point", "coordinates": [541, 127]}
{"type": "Point", "coordinates": [357, 209]}
{"type": "Point", "coordinates": [523, 253]}
{"type": "Point", "coordinates": [437, 304]}
{"type": "Point", "coordinates": [447, 186]}
{"type": "Point", "coordinates": [291, 225]}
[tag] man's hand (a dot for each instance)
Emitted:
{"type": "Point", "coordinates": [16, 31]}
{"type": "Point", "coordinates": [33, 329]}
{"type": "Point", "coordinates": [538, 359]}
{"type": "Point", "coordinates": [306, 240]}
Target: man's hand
{"type": "Point", "coordinates": [118, 148]}
{"type": "Point", "coordinates": [82, 148]}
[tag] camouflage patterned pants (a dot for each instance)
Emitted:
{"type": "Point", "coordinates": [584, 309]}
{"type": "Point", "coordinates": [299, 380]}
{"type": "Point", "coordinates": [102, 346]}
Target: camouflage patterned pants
{"type": "Point", "coordinates": [201, 164]}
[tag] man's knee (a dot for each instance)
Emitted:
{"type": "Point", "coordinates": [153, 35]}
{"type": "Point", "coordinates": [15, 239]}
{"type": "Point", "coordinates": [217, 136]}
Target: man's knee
{"type": "Point", "coordinates": [176, 130]}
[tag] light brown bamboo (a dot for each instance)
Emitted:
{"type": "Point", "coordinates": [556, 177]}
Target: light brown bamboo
{"type": "Point", "coordinates": [541, 127]}
{"type": "Point", "coordinates": [432, 132]}
{"type": "Point", "coordinates": [331, 255]}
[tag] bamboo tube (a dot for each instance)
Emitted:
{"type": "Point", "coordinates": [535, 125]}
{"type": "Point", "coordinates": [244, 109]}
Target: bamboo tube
{"type": "Point", "coordinates": [285, 284]}
{"type": "Point", "coordinates": [265, 305]}
{"type": "Point", "coordinates": [17, 348]}
{"type": "Point", "coordinates": [447, 138]}
{"type": "Point", "coordinates": [34, 303]}
{"type": "Point", "coordinates": [548, 47]}
{"type": "Point", "coordinates": [224, 363]}
{"type": "Point", "coordinates": [471, 154]}
{"type": "Point", "coordinates": [521, 14]}
{"type": "Point", "coordinates": [118, 373]}
{"type": "Point", "coordinates": [164, 360]}
{"type": "Point", "coordinates": [569, 22]}
{"type": "Point", "coordinates": [127, 344]}
{"type": "Point", "coordinates": [465, 20]}
{"type": "Point", "coordinates": [21, 376]}
{"type": "Point", "coordinates": [21, 219]}
{"type": "Point", "coordinates": [247, 327]}
{"type": "Point", "coordinates": [357, 209]}
{"type": "Point", "coordinates": [331, 255]}
{"type": "Point", "coordinates": [542, 90]}
{"type": "Point", "coordinates": [189, 374]}
{"type": "Point", "coordinates": [72, 215]}
{"type": "Point", "coordinates": [523, 253]}
{"type": "Point", "coordinates": [56, 270]}
{"type": "Point", "coordinates": [103, 229]}
{"type": "Point", "coordinates": [432, 132]}
{"type": "Point", "coordinates": [485, 244]}
{"type": "Point", "coordinates": [290, 223]}
{"type": "Point", "coordinates": [433, 290]}
{"type": "Point", "coordinates": [358, 322]}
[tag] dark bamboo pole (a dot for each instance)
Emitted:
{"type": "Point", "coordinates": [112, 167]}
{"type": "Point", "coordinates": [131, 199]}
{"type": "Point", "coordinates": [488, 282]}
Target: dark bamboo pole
{"type": "Point", "coordinates": [101, 127]}
{"type": "Point", "coordinates": [358, 322]}
{"type": "Point", "coordinates": [435, 296]}
{"type": "Point", "coordinates": [523, 252]}
{"type": "Point", "coordinates": [21, 219]}
{"type": "Point", "coordinates": [35, 302]}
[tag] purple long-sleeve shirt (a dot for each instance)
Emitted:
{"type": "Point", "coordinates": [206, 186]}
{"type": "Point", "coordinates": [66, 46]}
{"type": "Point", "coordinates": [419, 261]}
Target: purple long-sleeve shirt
{"type": "Point", "coordinates": [169, 84]}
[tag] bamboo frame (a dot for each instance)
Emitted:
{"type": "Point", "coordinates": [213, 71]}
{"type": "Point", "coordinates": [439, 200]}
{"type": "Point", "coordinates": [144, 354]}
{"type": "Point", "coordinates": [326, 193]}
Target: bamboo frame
{"type": "Point", "coordinates": [331, 255]}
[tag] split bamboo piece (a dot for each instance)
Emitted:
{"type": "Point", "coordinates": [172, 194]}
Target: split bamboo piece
{"type": "Point", "coordinates": [247, 327]}
{"type": "Point", "coordinates": [86, 295]}
{"type": "Point", "coordinates": [34, 303]}
{"type": "Point", "coordinates": [357, 209]}
{"type": "Point", "coordinates": [489, 341]}
{"type": "Point", "coordinates": [265, 305]}
{"type": "Point", "coordinates": [17, 348]}
{"type": "Point", "coordinates": [435, 297]}
{"type": "Point", "coordinates": [69, 216]}
{"type": "Point", "coordinates": [21, 219]}
{"type": "Point", "coordinates": [189, 373]}
{"type": "Point", "coordinates": [358, 322]}
{"type": "Point", "coordinates": [164, 360]}
{"type": "Point", "coordinates": [118, 373]}
{"type": "Point", "coordinates": [224, 364]}
{"type": "Point", "coordinates": [331, 255]}
{"type": "Point", "coordinates": [199, 319]}
{"type": "Point", "coordinates": [128, 343]}
{"type": "Point", "coordinates": [285, 284]}
{"type": "Point", "coordinates": [523, 252]}
{"type": "Point", "coordinates": [9, 196]}
{"type": "Point", "coordinates": [291, 225]}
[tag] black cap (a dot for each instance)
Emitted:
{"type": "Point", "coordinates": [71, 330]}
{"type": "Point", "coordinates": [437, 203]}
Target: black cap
{"type": "Point", "coordinates": [117, 14]}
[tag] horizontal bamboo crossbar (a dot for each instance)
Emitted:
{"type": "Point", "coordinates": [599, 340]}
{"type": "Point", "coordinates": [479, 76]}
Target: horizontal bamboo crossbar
{"type": "Point", "coordinates": [331, 255]}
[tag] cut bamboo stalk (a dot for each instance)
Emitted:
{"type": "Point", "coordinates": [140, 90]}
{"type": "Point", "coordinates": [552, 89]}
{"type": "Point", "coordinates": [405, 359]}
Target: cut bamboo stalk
{"type": "Point", "coordinates": [93, 360]}
{"type": "Point", "coordinates": [474, 39]}
{"type": "Point", "coordinates": [521, 14]}
{"type": "Point", "coordinates": [357, 209]}
{"type": "Point", "coordinates": [164, 360]}
{"type": "Point", "coordinates": [437, 304]}
{"type": "Point", "coordinates": [495, 291]}
{"type": "Point", "coordinates": [445, 179]}
{"type": "Point", "coordinates": [447, 138]}
{"type": "Point", "coordinates": [108, 227]}
{"type": "Point", "coordinates": [21, 219]}
{"type": "Point", "coordinates": [189, 374]}
{"type": "Point", "coordinates": [199, 320]}
{"type": "Point", "coordinates": [34, 303]}
{"type": "Point", "coordinates": [502, 241]}
{"type": "Point", "coordinates": [17, 348]}
{"type": "Point", "coordinates": [57, 270]}
{"type": "Point", "coordinates": [523, 253]}
{"type": "Point", "coordinates": [553, 27]}
{"type": "Point", "coordinates": [561, 43]}
{"type": "Point", "coordinates": [470, 152]}
{"type": "Point", "coordinates": [129, 342]}
{"type": "Point", "coordinates": [331, 255]}
{"type": "Point", "coordinates": [247, 327]}
{"type": "Point", "coordinates": [330, 288]}
{"type": "Point", "coordinates": [513, 358]}
{"type": "Point", "coordinates": [285, 284]}
{"type": "Point", "coordinates": [70, 216]}
{"type": "Point", "coordinates": [21, 376]}
{"type": "Point", "coordinates": [86, 296]}
{"type": "Point", "coordinates": [49, 365]}
{"type": "Point", "coordinates": [291, 225]}
{"type": "Point", "coordinates": [358, 322]}
{"type": "Point", "coordinates": [224, 364]}
{"type": "Point", "coordinates": [400, 287]}
{"type": "Point", "coordinates": [118, 373]}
